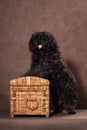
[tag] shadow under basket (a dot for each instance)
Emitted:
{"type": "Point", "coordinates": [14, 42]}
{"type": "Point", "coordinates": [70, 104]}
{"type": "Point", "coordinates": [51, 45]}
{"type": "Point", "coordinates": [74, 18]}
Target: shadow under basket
{"type": "Point", "coordinates": [29, 96]}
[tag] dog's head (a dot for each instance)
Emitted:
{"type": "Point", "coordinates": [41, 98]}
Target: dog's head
{"type": "Point", "coordinates": [42, 42]}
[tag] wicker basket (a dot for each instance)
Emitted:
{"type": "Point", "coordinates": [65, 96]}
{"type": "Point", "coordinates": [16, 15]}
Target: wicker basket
{"type": "Point", "coordinates": [29, 96]}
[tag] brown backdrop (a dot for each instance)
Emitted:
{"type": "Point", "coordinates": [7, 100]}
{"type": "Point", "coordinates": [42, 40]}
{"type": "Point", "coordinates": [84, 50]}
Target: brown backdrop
{"type": "Point", "coordinates": [66, 19]}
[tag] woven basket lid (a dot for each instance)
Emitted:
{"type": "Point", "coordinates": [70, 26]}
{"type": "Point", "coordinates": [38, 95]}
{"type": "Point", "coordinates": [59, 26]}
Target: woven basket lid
{"type": "Point", "coordinates": [29, 80]}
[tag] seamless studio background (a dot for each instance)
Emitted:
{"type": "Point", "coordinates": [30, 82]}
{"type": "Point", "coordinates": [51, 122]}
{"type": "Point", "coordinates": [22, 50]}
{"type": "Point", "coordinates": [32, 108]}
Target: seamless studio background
{"type": "Point", "coordinates": [65, 19]}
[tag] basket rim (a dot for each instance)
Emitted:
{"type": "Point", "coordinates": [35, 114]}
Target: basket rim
{"type": "Point", "coordinates": [29, 80]}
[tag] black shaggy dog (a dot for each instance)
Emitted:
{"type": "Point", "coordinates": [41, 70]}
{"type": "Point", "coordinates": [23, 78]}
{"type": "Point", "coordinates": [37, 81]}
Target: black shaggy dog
{"type": "Point", "coordinates": [48, 63]}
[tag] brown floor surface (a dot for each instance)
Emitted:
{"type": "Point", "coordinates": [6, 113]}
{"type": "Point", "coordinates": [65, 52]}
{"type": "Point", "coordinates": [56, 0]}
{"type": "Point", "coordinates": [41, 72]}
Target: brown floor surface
{"type": "Point", "coordinates": [56, 122]}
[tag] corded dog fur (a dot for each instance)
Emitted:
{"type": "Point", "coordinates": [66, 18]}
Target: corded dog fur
{"type": "Point", "coordinates": [48, 63]}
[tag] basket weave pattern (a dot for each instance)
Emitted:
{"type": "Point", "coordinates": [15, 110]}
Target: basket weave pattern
{"type": "Point", "coordinates": [29, 96]}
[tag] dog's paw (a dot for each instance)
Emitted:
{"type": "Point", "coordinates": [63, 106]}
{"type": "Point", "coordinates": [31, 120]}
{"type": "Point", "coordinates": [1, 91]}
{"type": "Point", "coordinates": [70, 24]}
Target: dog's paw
{"type": "Point", "coordinates": [57, 111]}
{"type": "Point", "coordinates": [71, 112]}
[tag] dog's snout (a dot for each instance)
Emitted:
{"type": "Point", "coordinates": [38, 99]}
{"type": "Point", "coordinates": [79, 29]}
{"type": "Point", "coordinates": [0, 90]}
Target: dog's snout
{"type": "Point", "coordinates": [40, 46]}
